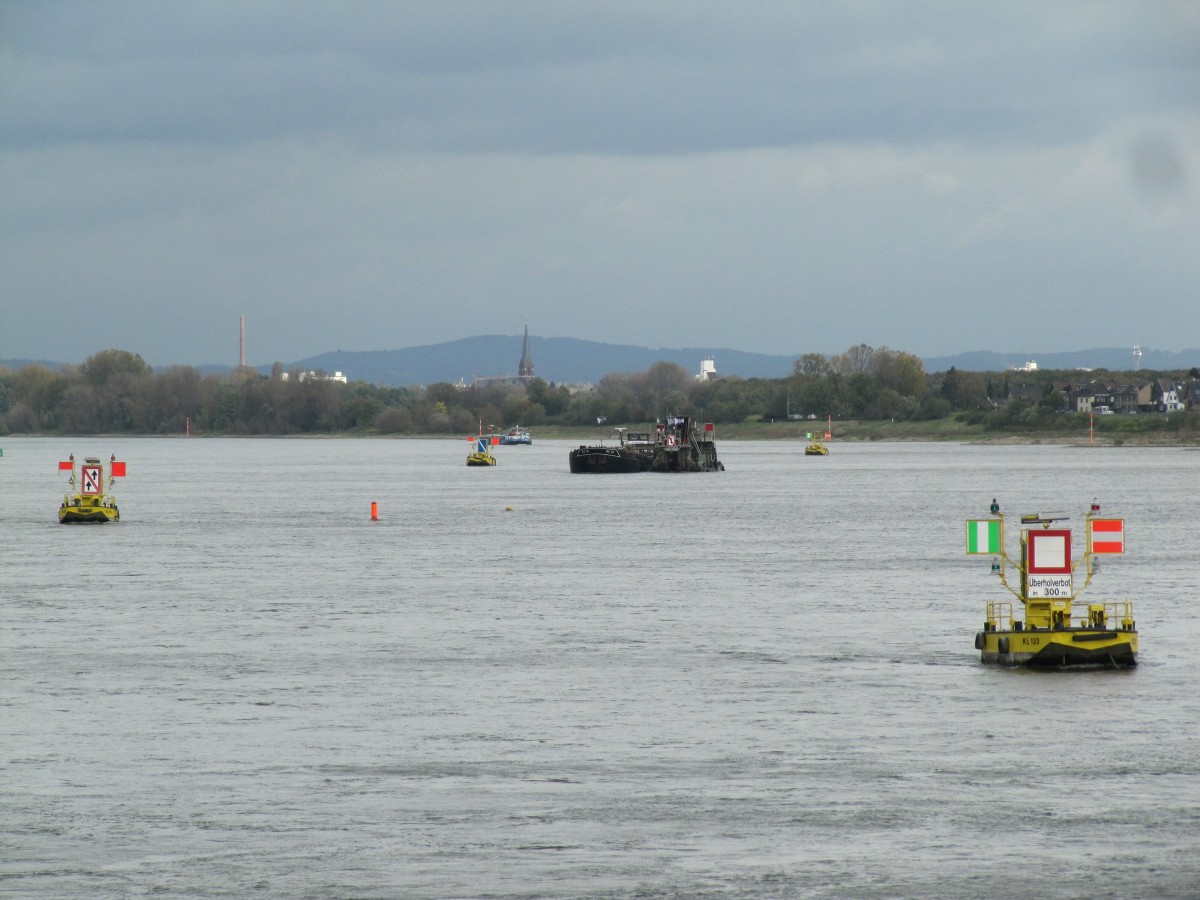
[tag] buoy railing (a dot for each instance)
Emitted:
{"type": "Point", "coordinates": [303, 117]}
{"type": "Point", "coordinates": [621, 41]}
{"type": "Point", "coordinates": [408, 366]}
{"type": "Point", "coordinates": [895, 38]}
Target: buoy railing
{"type": "Point", "coordinates": [999, 612]}
{"type": "Point", "coordinates": [1115, 615]}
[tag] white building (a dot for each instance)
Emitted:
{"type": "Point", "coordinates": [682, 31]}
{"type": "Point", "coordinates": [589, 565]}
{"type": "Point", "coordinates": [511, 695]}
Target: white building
{"type": "Point", "coordinates": [313, 376]}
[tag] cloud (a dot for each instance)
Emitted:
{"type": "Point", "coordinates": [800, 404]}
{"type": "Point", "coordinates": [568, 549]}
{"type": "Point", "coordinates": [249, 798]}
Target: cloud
{"type": "Point", "coordinates": [1157, 165]}
{"type": "Point", "coordinates": [601, 78]}
{"type": "Point", "coordinates": [781, 178]}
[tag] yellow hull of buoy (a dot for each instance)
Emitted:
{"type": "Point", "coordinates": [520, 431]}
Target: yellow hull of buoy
{"type": "Point", "coordinates": [1055, 649]}
{"type": "Point", "coordinates": [87, 509]}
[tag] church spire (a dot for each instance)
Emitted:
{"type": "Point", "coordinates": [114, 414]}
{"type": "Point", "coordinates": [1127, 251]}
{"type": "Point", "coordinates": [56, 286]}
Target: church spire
{"type": "Point", "coordinates": [525, 367]}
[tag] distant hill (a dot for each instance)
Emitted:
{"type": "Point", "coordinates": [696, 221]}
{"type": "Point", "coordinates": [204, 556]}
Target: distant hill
{"type": "Point", "coordinates": [558, 360]}
{"type": "Point", "coordinates": [573, 361]}
{"type": "Point", "coordinates": [1115, 359]}
{"type": "Point", "coordinates": [569, 360]}
{"type": "Point", "coordinates": [15, 364]}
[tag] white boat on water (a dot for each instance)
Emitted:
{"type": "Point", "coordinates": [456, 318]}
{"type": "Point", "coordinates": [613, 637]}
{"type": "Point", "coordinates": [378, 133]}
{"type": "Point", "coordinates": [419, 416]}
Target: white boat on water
{"type": "Point", "coordinates": [516, 435]}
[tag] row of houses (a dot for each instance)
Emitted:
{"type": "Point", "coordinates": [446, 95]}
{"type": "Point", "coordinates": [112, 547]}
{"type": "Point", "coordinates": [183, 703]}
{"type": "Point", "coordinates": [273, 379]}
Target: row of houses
{"type": "Point", "coordinates": [1159, 396]}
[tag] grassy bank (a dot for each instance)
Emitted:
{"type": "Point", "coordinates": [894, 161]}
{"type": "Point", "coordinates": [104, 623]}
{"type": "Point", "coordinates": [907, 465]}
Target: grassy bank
{"type": "Point", "coordinates": [1124, 431]}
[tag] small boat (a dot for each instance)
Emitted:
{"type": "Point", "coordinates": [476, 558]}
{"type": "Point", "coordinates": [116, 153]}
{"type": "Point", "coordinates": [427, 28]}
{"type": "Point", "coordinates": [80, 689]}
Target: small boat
{"type": "Point", "coordinates": [674, 446]}
{"type": "Point", "coordinates": [91, 501]}
{"type": "Point", "coordinates": [1050, 634]}
{"type": "Point", "coordinates": [516, 435]}
{"type": "Point", "coordinates": [480, 455]}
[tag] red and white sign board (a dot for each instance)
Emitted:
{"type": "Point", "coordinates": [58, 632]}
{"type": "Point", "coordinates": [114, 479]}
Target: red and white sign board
{"type": "Point", "coordinates": [1106, 535]}
{"type": "Point", "coordinates": [91, 480]}
{"type": "Point", "coordinates": [1050, 552]}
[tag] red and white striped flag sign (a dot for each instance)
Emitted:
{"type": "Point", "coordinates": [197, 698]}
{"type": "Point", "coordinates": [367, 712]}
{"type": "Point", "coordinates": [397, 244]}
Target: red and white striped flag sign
{"type": "Point", "coordinates": [1107, 535]}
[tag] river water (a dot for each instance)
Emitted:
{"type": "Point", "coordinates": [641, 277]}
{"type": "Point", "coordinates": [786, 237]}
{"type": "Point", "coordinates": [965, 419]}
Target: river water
{"type": "Point", "coordinates": [523, 683]}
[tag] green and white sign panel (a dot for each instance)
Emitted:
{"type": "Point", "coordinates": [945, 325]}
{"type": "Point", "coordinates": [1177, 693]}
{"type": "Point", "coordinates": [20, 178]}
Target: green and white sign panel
{"type": "Point", "coordinates": [985, 536]}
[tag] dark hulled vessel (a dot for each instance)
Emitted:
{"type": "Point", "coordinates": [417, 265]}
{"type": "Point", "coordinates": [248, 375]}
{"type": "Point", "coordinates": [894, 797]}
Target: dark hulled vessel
{"type": "Point", "coordinates": [679, 447]}
{"type": "Point", "coordinates": [631, 453]}
{"type": "Point", "coordinates": [674, 446]}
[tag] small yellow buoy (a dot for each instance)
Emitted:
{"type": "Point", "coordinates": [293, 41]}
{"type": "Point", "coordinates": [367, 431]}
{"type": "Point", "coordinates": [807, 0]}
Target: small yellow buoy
{"type": "Point", "coordinates": [508, 509]}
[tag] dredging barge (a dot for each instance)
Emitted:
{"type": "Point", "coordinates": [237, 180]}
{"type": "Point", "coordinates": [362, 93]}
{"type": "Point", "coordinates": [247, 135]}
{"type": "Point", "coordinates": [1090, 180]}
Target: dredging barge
{"type": "Point", "coordinates": [91, 501]}
{"type": "Point", "coordinates": [674, 446]}
{"type": "Point", "coordinates": [1051, 635]}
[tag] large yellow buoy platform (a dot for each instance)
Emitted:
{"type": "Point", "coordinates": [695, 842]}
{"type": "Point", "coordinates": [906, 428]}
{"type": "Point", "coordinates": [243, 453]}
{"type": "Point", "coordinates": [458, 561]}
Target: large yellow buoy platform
{"type": "Point", "coordinates": [92, 500]}
{"type": "Point", "coordinates": [1045, 627]}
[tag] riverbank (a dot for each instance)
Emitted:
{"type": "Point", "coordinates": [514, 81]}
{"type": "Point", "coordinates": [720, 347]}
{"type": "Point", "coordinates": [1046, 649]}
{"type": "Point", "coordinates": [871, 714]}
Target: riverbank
{"type": "Point", "coordinates": [1106, 434]}
{"type": "Point", "coordinates": [1114, 431]}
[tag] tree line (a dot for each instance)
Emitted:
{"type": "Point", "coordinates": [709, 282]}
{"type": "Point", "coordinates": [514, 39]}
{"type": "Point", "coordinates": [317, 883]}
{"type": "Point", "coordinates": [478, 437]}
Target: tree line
{"type": "Point", "coordinates": [116, 392]}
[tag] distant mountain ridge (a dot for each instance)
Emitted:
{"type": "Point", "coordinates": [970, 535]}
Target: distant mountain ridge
{"type": "Point", "coordinates": [1115, 359]}
{"type": "Point", "coordinates": [558, 360]}
{"type": "Point", "coordinates": [574, 361]}
{"type": "Point", "coordinates": [570, 360]}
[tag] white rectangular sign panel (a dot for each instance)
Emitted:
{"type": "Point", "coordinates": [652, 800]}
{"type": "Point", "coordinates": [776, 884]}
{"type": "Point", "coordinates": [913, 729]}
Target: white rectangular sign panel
{"type": "Point", "coordinates": [92, 477]}
{"type": "Point", "coordinates": [1048, 587]}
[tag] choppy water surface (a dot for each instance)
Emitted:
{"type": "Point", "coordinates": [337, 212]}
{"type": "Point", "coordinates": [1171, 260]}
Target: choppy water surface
{"type": "Point", "coordinates": [755, 683]}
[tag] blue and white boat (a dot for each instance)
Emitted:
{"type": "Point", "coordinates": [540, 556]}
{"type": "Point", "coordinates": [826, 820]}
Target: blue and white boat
{"type": "Point", "coordinates": [516, 435]}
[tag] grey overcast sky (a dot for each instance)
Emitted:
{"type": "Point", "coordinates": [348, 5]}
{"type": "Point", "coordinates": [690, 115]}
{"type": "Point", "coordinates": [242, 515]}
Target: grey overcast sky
{"type": "Point", "coordinates": [778, 177]}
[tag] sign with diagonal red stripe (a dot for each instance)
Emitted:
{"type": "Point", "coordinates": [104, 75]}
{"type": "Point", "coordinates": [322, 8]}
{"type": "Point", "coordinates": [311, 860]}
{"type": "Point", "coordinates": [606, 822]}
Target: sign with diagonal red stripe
{"type": "Point", "coordinates": [92, 477]}
{"type": "Point", "coordinates": [1106, 535]}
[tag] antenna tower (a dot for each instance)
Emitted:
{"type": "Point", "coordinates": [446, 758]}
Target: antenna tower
{"type": "Point", "coordinates": [1137, 357]}
{"type": "Point", "coordinates": [242, 351]}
